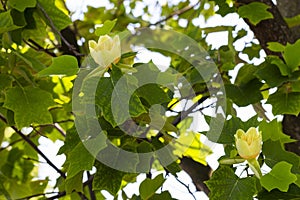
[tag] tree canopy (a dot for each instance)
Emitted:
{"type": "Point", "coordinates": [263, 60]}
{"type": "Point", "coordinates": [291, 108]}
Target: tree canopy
{"type": "Point", "coordinates": [83, 77]}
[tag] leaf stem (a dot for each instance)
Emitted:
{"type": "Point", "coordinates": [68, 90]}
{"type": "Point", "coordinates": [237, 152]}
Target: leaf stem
{"type": "Point", "coordinates": [254, 166]}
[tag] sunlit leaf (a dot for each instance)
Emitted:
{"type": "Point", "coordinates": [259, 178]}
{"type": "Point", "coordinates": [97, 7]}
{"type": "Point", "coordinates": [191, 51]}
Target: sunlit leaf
{"type": "Point", "coordinates": [149, 186]}
{"type": "Point", "coordinates": [30, 105]}
{"type": "Point", "coordinates": [279, 177]}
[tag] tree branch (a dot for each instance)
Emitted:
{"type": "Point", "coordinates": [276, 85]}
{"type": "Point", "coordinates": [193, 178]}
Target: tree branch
{"type": "Point", "coordinates": [38, 151]}
{"type": "Point", "coordinates": [175, 13]}
{"type": "Point", "coordinates": [38, 47]}
{"type": "Point", "coordinates": [27, 139]}
{"type": "Point", "coordinates": [187, 187]}
{"type": "Point", "coordinates": [90, 186]}
{"type": "Point", "coordinates": [277, 30]}
{"type": "Point", "coordinates": [54, 29]}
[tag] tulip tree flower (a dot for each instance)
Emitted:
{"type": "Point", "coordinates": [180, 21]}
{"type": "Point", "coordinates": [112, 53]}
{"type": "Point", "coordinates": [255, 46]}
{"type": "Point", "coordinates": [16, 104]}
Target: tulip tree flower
{"type": "Point", "coordinates": [249, 146]}
{"type": "Point", "coordinates": [104, 53]}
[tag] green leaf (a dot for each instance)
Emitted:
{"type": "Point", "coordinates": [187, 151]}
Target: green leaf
{"type": "Point", "coordinates": [284, 69]}
{"type": "Point", "coordinates": [275, 46]}
{"type": "Point", "coordinates": [153, 94]}
{"type": "Point", "coordinates": [245, 94]}
{"type": "Point", "coordinates": [224, 8]}
{"type": "Point", "coordinates": [293, 21]}
{"type": "Point", "coordinates": [279, 177]}
{"type": "Point", "coordinates": [270, 74]}
{"type": "Point", "coordinates": [31, 61]}
{"type": "Point", "coordinates": [224, 184]}
{"type": "Point", "coordinates": [8, 23]}
{"type": "Point", "coordinates": [5, 82]}
{"type": "Point", "coordinates": [273, 131]}
{"type": "Point", "coordinates": [59, 19]}
{"type": "Point", "coordinates": [74, 183]}
{"type": "Point", "coordinates": [107, 179]}
{"type": "Point", "coordinates": [293, 194]}
{"type": "Point", "coordinates": [231, 126]}
{"type": "Point", "coordinates": [106, 27]}
{"type": "Point", "coordinates": [252, 51]}
{"type": "Point", "coordinates": [21, 5]}
{"type": "Point", "coordinates": [274, 153]}
{"type": "Point", "coordinates": [245, 75]}
{"type": "Point", "coordinates": [121, 159]}
{"type": "Point", "coordinates": [189, 144]}
{"type": "Point", "coordinates": [165, 195]}
{"type": "Point", "coordinates": [81, 158]}
{"type": "Point", "coordinates": [284, 102]}
{"type": "Point", "coordinates": [149, 186]}
{"type": "Point", "coordinates": [291, 55]}
{"type": "Point", "coordinates": [261, 13]}
{"type": "Point", "coordinates": [30, 105]}
{"type": "Point", "coordinates": [113, 109]}
{"type": "Point", "coordinates": [72, 139]}
{"type": "Point", "coordinates": [62, 65]}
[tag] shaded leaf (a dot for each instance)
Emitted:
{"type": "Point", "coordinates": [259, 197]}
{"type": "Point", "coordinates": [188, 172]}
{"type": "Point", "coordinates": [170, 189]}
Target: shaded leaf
{"type": "Point", "coordinates": [274, 153]}
{"type": "Point", "coordinates": [224, 184]}
{"type": "Point", "coordinates": [284, 102]}
{"type": "Point", "coordinates": [7, 22]}
{"type": "Point", "coordinates": [246, 94]}
{"type": "Point", "coordinates": [260, 13]}
{"type": "Point", "coordinates": [82, 157]}
{"type": "Point", "coordinates": [273, 131]}
{"type": "Point", "coordinates": [105, 173]}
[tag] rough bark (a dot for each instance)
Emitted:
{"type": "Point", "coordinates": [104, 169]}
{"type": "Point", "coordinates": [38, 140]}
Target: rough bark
{"type": "Point", "coordinates": [290, 8]}
{"type": "Point", "coordinates": [270, 30]}
{"type": "Point", "coordinates": [277, 30]}
{"type": "Point", "coordinates": [291, 123]}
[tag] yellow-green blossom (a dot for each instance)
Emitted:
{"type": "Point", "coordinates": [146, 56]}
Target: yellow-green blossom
{"type": "Point", "coordinates": [106, 51]}
{"type": "Point", "coordinates": [248, 144]}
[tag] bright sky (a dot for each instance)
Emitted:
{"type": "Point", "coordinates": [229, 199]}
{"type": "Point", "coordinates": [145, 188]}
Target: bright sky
{"type": "Point", "coordinates": [216, 39]}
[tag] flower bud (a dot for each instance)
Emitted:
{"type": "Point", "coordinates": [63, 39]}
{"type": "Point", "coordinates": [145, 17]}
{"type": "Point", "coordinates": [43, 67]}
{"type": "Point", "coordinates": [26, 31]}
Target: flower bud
{"type": "Point", "coordinates": [248, 144]}
{"type": "Point", "coordinates": [106, 51]}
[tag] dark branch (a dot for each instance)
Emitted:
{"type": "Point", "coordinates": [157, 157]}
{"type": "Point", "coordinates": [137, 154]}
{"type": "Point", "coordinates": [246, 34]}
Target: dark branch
{"type": "Point", "coordinates": [34, 45]}
{"type": "Point", "coordinates": [27, 139]}
{"type": "Point", "coordinates": [54, 29]}
{"type": "Point", "coordinates": [176, 13]}
{"type": "Point", "coordinates": [187, 187]}
{"type": "Point", "coordinates": [90, 186]}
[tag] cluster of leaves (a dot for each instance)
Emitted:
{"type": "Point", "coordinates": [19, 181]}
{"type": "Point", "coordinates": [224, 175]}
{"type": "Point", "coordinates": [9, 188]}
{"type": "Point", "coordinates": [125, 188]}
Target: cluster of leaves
{"type": "Point", "coordinates": [37, 81]}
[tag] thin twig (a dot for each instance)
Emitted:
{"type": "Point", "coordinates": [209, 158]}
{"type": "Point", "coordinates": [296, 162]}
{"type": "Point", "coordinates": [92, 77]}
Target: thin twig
{"type": "Point", "coordinates": [27, 139]}
{"type": "Point", "coordinates": [175, 13]}
{"type": "Point", "coordinates": [38, 150]}
{"type": "Point", "coordinates": [34, 45]}
{"type": "Point", "coordinates": [184, 114]}
{"type": "Point", "coordinates": [55, 30]}
{"type": "Point", "coordinates": [59, 129]}
{"type": "Point", "coordinates": [37, 195]}
{"type": "Point", "coordinates": [186, 186]}
{"type": "Point", "coordinates": [61, 194]}
{"type": "Point", "coordinates": [90, 186]}
{"type": "Point", "coordinates": [3, 5]}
